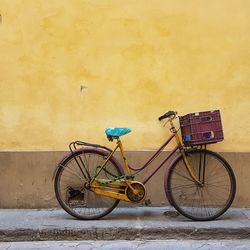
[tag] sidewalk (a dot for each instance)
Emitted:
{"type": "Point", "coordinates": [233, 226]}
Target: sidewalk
{"type": "Point", "coordinates": [122, 224]}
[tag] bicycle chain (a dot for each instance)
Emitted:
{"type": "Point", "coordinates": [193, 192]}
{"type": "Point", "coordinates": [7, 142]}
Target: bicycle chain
{"type": "Point", "coordinates": [117, 177]}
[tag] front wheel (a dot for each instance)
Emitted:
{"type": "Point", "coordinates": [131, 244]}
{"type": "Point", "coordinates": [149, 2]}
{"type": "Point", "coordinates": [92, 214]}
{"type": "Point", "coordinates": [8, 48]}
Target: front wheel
{"type": "Point", "coordinates": [71, 181]}
{"type": "Point", "coordinates": [201, 202]}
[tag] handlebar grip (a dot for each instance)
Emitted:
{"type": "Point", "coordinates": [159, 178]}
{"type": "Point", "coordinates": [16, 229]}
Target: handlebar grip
{"type": "Point", "coordinates": [162, 117]}
{"type": "Point", "coordinates": [168, 114]}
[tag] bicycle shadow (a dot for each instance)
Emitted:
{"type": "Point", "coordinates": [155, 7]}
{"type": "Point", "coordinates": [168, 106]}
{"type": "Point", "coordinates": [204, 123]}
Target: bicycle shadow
{"type": "Point", "coordinates": [161, 215]}
{"type": "Point", "coordinates": [168, 215]}
{"type": "Point", "coordinates": [147, 214]}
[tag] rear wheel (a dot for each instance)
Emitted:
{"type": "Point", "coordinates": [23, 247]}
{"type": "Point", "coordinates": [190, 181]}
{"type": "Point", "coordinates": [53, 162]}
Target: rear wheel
{"type": "Point", "coordinates": [71, 187]}
{"type": "Point", "coordinates": [208, 201]}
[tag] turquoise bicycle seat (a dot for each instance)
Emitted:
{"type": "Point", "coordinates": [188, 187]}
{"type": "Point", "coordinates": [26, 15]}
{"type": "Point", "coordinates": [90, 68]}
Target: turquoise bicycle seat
{"type": "Point", "coordinates": [116, 132]}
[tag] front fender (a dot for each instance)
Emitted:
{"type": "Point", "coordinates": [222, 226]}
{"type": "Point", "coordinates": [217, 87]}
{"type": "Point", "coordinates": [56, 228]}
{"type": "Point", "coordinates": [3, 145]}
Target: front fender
{"type": "Point", "coordinates": [166, 175]}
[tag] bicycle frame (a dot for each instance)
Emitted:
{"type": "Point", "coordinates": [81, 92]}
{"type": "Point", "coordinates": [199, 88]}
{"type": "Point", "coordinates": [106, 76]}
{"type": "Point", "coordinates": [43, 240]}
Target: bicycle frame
{"type": "Point", "coordinates": [156, 154]}
{"type": "Point", "coordinates": [153, 157]}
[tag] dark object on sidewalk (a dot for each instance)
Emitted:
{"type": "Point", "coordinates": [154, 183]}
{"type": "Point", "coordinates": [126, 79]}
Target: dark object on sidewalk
{"type": "Point", "coordinates": [171, 213]}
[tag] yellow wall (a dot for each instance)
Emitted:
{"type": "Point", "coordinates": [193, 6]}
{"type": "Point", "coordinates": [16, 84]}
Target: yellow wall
{"type": "Point", "coordinates": [134, 60]}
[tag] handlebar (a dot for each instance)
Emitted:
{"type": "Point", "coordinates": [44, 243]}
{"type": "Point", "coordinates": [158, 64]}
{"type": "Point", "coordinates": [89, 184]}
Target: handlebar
{"type": "Point", "coordinates": [167, 115]}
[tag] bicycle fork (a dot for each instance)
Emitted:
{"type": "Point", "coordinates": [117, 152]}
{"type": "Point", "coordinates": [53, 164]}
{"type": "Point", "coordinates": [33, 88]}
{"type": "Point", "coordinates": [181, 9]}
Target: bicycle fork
{"type": "Point", "coordinates": [189, 167]}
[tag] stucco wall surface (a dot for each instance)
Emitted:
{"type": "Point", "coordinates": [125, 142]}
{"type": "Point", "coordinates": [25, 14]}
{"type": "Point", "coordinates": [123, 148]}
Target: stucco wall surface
{"type": "Point", "coordinates": [69, 69]}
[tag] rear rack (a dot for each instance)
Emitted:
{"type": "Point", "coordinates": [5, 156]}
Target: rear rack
{"type": "Point", "coordinates": [74, 145]}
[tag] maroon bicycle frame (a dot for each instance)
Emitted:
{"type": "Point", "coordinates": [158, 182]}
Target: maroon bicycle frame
{"type": "Point", "coordinates": [150, 175]}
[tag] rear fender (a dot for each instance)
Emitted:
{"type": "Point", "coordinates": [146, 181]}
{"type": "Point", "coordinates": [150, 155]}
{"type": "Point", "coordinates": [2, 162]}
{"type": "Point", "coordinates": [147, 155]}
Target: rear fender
{"type": "Point", "coordinates": [86, 150]}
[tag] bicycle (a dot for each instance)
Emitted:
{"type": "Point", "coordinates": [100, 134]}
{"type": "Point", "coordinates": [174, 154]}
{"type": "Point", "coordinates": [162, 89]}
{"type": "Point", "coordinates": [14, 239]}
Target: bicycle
{"type": "Point", "coordinates": [90, 182]}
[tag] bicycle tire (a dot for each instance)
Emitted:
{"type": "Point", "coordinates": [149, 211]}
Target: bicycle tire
{"type": "Point", "coordinates": [196, 202]}
{"type": "Point", "coordinates": [69, 182]}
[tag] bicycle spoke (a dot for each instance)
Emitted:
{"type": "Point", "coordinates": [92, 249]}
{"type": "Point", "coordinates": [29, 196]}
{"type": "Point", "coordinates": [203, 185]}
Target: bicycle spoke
{"type": "Point", "coordinates": [185, 177]}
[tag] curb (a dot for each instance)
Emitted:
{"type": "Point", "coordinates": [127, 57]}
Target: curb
{"type": "Point", "coordinates": [159, 223]}
{"type": "Point", "coordinates": [123, 234]}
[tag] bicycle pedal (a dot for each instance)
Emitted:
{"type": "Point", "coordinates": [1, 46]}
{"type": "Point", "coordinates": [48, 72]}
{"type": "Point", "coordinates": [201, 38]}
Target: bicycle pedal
{"type": "Point", "coordinates": [147, 202]}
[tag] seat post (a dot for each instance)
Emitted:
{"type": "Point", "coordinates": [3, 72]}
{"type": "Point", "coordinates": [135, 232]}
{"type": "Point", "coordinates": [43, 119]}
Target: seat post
{"type": "Point", "coordinates": [119, 143]}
